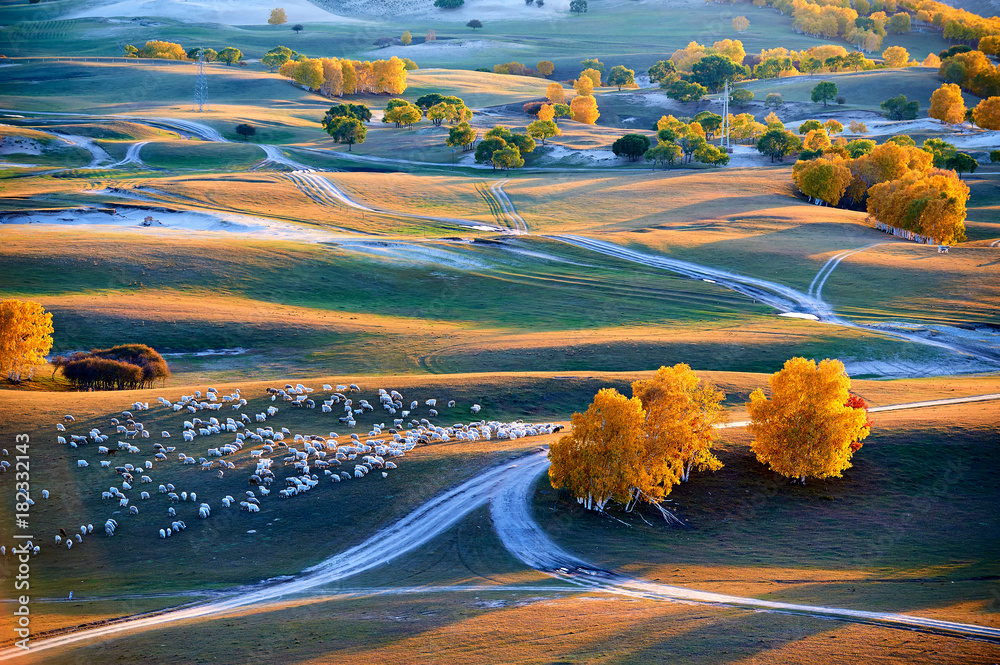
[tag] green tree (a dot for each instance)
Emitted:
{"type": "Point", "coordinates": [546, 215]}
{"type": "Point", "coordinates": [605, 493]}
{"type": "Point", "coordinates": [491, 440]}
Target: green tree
{"type": "Point", "coordinates": [859, 147]}
{"type": "Point", "coordinates": [592, 63]}
{"type": "Point", "coordinates": [899, 108]}
{"type": "Point", "coordinates": [713, 71]}
{"type": "Point", "coordinates": [578, 6]}
{"type": "Point", "coordinates": [810, 125]}
{"type": "Point", "coordinates": [449, 4]}
{"type": "Point", "coordinates": [359, 111]}
{"type": "Point", "coordinates": [246, 130]}
{"type": "Point", "coordinates": [632, 146]}
{"type": "Point", "coordinates": [131, 51]}
{"type": "Point", "coordinates": [962, 162]}
{"type": "Point", "coordinates": [901, 140]}
{"type": "Point", "coordinates": [488, 146]}
{"type": "Point", "coordinates": [710, 122]}
{"type": "Point", "coordinates": [507, 158]}
{"type": "Point", "coordinates": [619, 76]}
{"type": "Point", "coordinates": [278, 56]}
{"type": "Point", "coordinates": [994, 156]}
{"type": "Point", "coordinates": [686, 91]}
{"type": "Point", "coordinates": [230, 55]}
{"type": "Point", "coordinates": [773, 99]}
{"type": "Point", "coordinates": [741, 96]}
{"type": "Point", "coordinates": [543, 129]}
{"type": "Point", "coordinates": [712, 155]}
{"type": "Point", "coordinates": [778, 143]}
{"type": "Point", "coordinates": [475, 24]}
{"type": "Point", "coordinates": [347, 130]}
{"type": "Point", "coordinates": [662, 71]}
{"type": "Point", "coordinates": [463, 135]}
{"type": "Point", "coordinates": [297, 28]}
{"type": "Point", "coordinates": [665, 153]}
{"type": "Point", "coordinates": [823, 92]}
{"type": "Point", "coordinates": [941, 150]}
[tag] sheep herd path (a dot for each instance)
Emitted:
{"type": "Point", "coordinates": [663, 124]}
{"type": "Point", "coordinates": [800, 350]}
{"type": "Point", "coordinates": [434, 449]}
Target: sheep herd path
{"type": "Point", "coordinates": [507, 488]}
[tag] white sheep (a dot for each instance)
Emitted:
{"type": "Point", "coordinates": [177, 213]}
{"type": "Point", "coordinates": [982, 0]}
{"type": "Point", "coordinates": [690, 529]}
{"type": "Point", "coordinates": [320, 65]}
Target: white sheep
{"type": "Point", "coordinates": [45, 494]}
{"type": "Point", "coordinates": [81, 463]}
{"type": "Point", "coordinates": [144, 495]}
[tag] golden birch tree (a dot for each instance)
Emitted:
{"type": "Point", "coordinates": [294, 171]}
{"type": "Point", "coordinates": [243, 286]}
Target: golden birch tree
{"type": "Point", "coordinates": [25, 338]}
{"type": "Point", "coordinates": [601, 458]}
{"type": "Point", "coordinates": [806, 428]}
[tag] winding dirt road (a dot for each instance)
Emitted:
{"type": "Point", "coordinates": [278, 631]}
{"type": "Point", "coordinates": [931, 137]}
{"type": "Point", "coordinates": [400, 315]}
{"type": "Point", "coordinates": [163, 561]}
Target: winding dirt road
{"type": "Point", "coordinates": [507, 487]}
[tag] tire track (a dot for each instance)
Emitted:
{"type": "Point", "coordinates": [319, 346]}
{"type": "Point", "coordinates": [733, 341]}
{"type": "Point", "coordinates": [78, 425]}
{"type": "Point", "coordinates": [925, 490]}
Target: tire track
{"type": "Point", "coordinates": [519, 226]}
{"type": "Point", "coordinates": [785, 299]}
{"type": "Point", "coordinates": [816, 286]}
{"type": "Point", "coordinates": [525, 539]}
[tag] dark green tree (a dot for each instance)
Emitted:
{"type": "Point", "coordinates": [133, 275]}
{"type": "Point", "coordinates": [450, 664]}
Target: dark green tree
{"type": "Point", "coordinates": [899, 108]}
{"type": "Point", "coordinates": [632, 146]}
{"type": "Point", "coordinates": [620, 76]}
{"type": "Point", "coordinates": [823, 92]}
{"type": "Point", "coordinates": [713, 71]}
{"type": "Point", "coordinates": [778, 144]}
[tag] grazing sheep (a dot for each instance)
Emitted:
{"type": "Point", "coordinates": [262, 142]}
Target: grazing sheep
{"type": "Point", "coordinates": [69, 544]}
{"type": "Point", "coordinates": [133, 510]}
{"type": "Point", "coordinates": [81, 463]}
{"type": "Point", "coordinates": [70, 419]}
{"type": "Point", "coordinates": [163, 534]}
{"type": "Point", "coordinates": [45, 494]}
{"type": "Point", "coordinates": [144, 495]}
{"type": "Point", "coordinates": [475, 408]}
{"type": "Point", "coordinates": [171, 511]}
{"type": "Point", "coordinates": [60, 427]}
{"type": "Point", "coordinates": [61, 439]}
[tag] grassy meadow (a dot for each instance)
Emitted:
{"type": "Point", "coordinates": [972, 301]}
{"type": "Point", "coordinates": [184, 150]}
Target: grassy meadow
{"type": "Point", "coordinates": [414, 298]}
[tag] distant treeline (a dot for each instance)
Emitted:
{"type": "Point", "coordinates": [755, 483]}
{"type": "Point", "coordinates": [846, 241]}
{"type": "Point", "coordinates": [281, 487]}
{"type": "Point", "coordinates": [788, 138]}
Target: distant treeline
{"type": "Point", "coordinates": [122, 367]}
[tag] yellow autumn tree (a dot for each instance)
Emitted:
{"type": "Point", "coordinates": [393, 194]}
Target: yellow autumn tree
{"type": "Point", "coordinates": [278, 16]}
{"type": "Point", "coordinates": [817, 139]}
{"type": "Point", "coordinates": [25, 338]}
{"type": "Point", "coordinates": [333, 78]}
{"type": "Point", "coordinates": [685, 58]}
{"type": "Point", "coordinates": [349, 77]}
{"type": "Point", "coordinates": [772, 119]}
{"type": "Point", "coordinates": [547, 112]}
{"type": "Point", "coordinates": [741, 24]}
{"type": "Point", "coordinates": [732, 49]}
{"type": "Point", "coordinates": [309, 73]}
{"type": "Point", "coordinates": [555, 93]}
{"type": "Point", "coordinates": [895, 56]}
{"type": "Point", "coordinates": [947, 104]}
{"type": "Point", "coordinates": [931, 204]}
{"type": "Point", "coordinates": [987, 113]}
{"type": "Point", "coordinates": [602, 457]}
{"type": "Point", "coordinates": [806, 428]}
{"type": "Point", "coordinates": [823, 179]}
{"type": "Point", "coordinates": [407, 38]}
{"type": "Point", "coordinates": [584, 86]}
{"type": "Point", "coordinates": [584, 109]}
{"type": "Point", "coordinates": [594, 76]}
{"type": "Point", "coordinates": [932, 60]}
{"type": "Point", "coordinates": [681, 414]}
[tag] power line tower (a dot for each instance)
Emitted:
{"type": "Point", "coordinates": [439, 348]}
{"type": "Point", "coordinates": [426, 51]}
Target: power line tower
{"type": "Point", "coordinates": [201, 85]}
{"type": "Point", "coordinates": [725, 118]}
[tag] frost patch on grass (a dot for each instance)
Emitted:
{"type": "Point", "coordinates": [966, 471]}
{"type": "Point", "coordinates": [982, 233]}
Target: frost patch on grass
{"type": "Point", "coordinates": [184, 221]}
{"type": "Point", "coordinates": [413, 253]}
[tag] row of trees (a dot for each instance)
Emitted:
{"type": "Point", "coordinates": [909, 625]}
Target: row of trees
{"type": "Point", "coordinates": [973, 71]}
{"type": "Point", "coordinates": [123, 367]}
{"type": "Point", "coordinates": [637, 449]}
{"type": "Point", "coordinates": [504, 149]}
{"type": "Point", "coordinates": [333, 77]}
{"type": "Point", "coordinates": [171, 51]}
{"type": "Point", "coordinates": [899, 184]}
{"type": "Point", "coordinates": [948, 105]}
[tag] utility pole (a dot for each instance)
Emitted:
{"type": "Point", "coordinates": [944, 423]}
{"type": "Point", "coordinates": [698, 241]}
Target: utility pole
{"type": "Point", "coordinates": [725, 117]}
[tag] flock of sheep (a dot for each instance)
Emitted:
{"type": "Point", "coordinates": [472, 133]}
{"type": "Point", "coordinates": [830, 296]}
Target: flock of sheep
{"type": "Point", "coordinates": [312, 457]}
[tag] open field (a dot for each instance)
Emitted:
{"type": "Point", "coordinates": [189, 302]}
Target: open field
{"type": "Point", "coordinates": [887, 572]}
{"type": "Point", "coordinates": [920, 539]}
{"type": "Point", "coordinates": [400, 264]}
